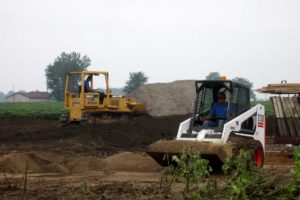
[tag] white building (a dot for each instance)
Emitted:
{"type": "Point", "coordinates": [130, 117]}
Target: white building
{"type": "Point", "coordinates": [28, 97]}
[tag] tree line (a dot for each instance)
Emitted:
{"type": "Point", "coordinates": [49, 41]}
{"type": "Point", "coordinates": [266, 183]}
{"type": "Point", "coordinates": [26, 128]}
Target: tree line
{"type": "Point", "coordinates": [56, 73]}
{"type": "Point", "coordinates": [217, 76]}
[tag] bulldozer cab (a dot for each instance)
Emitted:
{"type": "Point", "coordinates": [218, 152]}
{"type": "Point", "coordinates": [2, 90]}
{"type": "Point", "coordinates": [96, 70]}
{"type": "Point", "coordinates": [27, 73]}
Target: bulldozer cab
{"type": "Point", "coordinates": [237, 99]}
{"type": "Point", "coordinates": [84, 91]}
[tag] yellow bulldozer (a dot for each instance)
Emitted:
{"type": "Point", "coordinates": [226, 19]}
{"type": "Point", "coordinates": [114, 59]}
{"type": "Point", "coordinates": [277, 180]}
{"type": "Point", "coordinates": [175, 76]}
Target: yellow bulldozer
{"type": "Point", "coordinates": [86, 102]}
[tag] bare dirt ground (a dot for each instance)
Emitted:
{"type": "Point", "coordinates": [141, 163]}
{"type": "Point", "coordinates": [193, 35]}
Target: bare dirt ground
{"type": "Point", "coordinates": [41, 160]}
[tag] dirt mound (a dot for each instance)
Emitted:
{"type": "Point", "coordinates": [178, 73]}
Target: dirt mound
{"type": "Point", "coordinates": [16, 162]}
{"type": "Point", "coordinates": [162, 99]}
{"type": "Point", "coordinates": [131, 162]}
{"type": "Point", "coordinates": [49, 148]}
{"type": "Point", "coordinates": [91, 140]}
{"type": "Point", "coordinates": [84, 164]}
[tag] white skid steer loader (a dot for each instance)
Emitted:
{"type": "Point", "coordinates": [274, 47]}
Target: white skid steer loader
{"type": "Point", "coordinates": [244, 127]}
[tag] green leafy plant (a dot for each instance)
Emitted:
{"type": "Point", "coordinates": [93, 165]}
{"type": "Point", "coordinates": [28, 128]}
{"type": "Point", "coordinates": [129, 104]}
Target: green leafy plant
{"type": "Point", "coordinates": [292, 190]}
{"type": "Point", "coordinates": [100, 191]}
{"type": "Point", "coordinates": [209, 190]}
{"type": "Point", "coordinates": [192, 168]}
{"type": "Point", "coordinates": [247, 181]}
{"type": "Point", "coordinates": [84, 187]}
{"type": "Point", "coordinates": [167, 181]}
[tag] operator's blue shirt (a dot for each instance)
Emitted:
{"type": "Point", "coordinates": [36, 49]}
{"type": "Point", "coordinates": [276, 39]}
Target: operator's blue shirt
{"type": "Point", "coordinates": [86, 85]}
{"type": "Point", "coordinates": [219, 110]}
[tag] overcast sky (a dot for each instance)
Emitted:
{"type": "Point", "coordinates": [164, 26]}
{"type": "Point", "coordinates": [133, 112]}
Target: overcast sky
{"type": "Point", "coordinates": [167, 39]}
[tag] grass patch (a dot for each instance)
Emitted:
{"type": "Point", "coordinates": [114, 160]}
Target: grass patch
{"type": "Point", "coordinates": [43, 110]}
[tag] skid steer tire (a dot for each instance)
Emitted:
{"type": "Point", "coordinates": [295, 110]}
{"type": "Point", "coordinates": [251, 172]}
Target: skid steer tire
{"type": "Point", "coordinates": [238, 142]}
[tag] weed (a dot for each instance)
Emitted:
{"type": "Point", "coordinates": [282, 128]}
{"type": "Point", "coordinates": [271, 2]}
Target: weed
{"type": "Point", "coordinates": [292, 190]}
{"type": "Point", "coordinates": [167, 181]}
{"type": "Point", "coordinates": [247, 181]}
{"type": "Point", "coordinates": [101, 191]}
{"type": "Point", "coordinates": [84, 187]}
{"type": "Point", "coordinates": [191, 167]}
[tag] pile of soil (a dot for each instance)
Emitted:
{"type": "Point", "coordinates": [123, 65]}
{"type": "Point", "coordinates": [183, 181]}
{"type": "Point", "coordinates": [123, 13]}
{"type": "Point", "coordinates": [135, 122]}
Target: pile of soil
{"type": "Point", "coordinates": [99, 139]}
{"type": "Point", "coordinates": [35, 162]}
{"type": "Point", "coordinates": [45, 147]}
{"type": "Point", "coordinates": [131, 162]}
{"type": "Point", "coordinates": [163, 99]}
{"type": "Point", "coordinates": [85, 163]}
{"type": "Point", "coordinates": [93, 161]}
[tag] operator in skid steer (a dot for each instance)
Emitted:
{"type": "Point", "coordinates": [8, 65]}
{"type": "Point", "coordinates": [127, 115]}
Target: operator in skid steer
{"type": "Point", "coordinates": [218, 113]}
{"type": "Point", "coordinates": [243, 127]}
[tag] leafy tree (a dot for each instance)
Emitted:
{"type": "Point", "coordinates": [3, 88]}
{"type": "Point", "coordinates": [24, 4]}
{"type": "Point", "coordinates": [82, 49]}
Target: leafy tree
{"type": "Point", "coordinates": [2, 97]}
{"type": "Point", "coordinates": [9, 93]}
{"type": "Point", "coordinates": [136, 79]}
{"type": "Point", "coordinates": [213, 76]}
{"type": "Point", "coordinates": [56, 72]}
{"type": "Point", "coordinates": [248, 83]}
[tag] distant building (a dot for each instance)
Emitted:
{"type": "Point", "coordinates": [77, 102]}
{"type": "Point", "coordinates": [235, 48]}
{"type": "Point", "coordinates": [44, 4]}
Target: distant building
{"type": "Point", "coordinates": [28, 97]}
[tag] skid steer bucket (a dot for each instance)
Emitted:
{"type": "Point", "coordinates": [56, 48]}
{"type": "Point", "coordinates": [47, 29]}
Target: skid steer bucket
{"type": "Point", "coordinates": [214, 152]}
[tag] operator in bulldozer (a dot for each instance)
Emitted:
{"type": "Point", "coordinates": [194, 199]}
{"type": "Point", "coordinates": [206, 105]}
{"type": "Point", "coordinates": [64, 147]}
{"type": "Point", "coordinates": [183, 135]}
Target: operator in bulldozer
{"type": "Point", "coordinates": [87, 87]}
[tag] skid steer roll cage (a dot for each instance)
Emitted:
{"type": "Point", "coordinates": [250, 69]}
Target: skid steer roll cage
{"type": "Point", "coordinates": [232, 88]}
{"type": "Point", "coordinates": [244, 130]}
{"type": "Point", "coordinates": [247, 122]}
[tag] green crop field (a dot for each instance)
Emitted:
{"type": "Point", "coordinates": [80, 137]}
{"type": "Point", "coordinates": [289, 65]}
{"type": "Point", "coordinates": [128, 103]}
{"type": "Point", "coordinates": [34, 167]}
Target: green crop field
{"type": "Point", "coordinates": [44, 110]}
{"type": "Point", "coordinates": [52, 110]}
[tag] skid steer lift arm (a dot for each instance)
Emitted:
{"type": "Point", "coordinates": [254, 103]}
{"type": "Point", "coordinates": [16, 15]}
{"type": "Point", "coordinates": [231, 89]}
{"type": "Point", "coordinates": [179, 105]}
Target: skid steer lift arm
{"type": "Point", "coordinates": [253, 119]}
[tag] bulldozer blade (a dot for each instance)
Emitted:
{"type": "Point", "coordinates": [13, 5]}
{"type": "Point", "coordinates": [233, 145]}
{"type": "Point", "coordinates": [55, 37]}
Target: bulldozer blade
{"type": "Point", "coordinates": [163, 150]}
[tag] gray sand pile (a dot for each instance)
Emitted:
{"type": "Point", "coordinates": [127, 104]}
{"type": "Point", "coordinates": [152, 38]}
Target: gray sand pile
{"type": "Point", "coordinates": [163, 99]}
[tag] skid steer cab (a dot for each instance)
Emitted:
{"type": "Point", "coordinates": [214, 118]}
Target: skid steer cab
{"type": "Point", "coordinates": [217, 137]}
{"type": "Point", "coordinates": [88, 98]}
